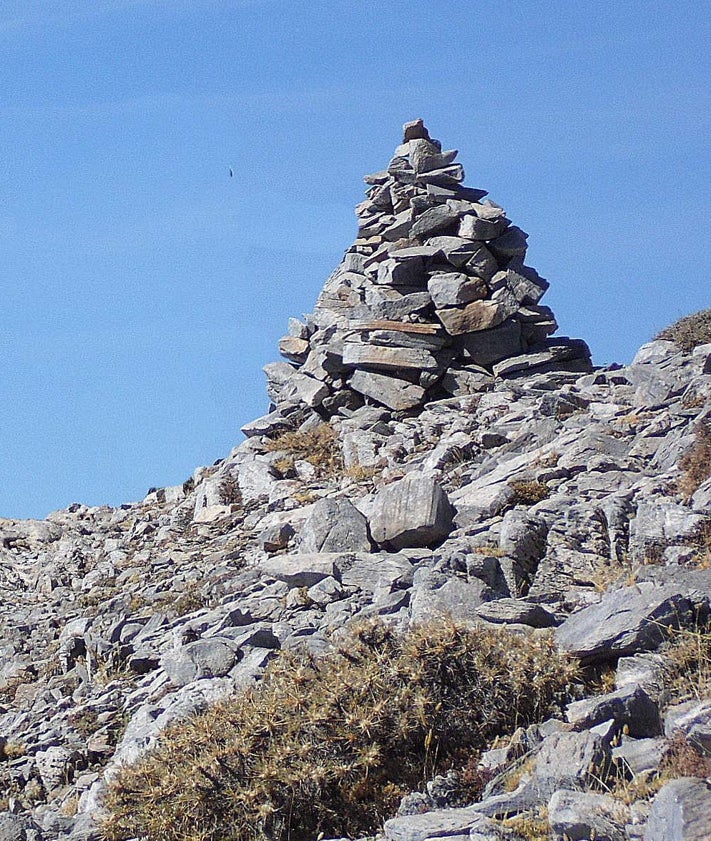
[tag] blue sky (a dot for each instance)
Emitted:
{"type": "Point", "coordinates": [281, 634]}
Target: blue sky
{"type": "Point", "coordinates": [143, 288]}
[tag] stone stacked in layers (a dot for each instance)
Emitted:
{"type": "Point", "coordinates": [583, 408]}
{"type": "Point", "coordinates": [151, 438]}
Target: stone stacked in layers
{"type": "Point", "coordinates": [432, 299]}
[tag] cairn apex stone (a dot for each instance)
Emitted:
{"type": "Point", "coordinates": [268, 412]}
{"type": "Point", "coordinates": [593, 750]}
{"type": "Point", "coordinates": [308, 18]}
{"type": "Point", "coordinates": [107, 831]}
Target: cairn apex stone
{"type": "Point", "coordinates": [415, 130]}
{"type": "Point", "coordinates": [413, 512]}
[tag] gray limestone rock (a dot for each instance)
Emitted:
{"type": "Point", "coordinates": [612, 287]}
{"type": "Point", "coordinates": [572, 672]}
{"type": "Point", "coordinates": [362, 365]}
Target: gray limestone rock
{"type": "Point", "coordinates": [335, 525]}
{"type": "Point", "coordinates": [519, 611]}
{"type": "Point", "coordinates": [579, 816]}
{"type": "Point", "coordinates": [435, 219]}
{"type": "Point", "coordinates": [681, 811]}
{"type": "Point", "coordinates": [12, 827]}
{"type": "Point", "coordinates": [360, 355]}
{"type": "Point", "coordinates": [570, 761]}
{"type": "Point", "coordinates": [478, 315]}
{"type": "Point", "coordinates": [392, 392]}
{"type": "Point", "coordinates": [639, 755]}
{"type": "Point", "coordinates": [625, 621]}
{"type": "Point", "coordinates": [449, 823]}
{"type": "Point", "coordinates": [485, 347]}
{"type": "Point", "coordinates": [414, 511]}
{"type": "Point", "coordinates": [693, 719]}
{"type": "Point", "coordinates": [204, 658]}
{"type": "Point", "coordinates": [440, 596]}
{"type": "Point", "coordinates": [449, 289]}
{"type": "Point", "coordinates": [630, 708]}
{"type": "Point", "coordinates": [301, 570]}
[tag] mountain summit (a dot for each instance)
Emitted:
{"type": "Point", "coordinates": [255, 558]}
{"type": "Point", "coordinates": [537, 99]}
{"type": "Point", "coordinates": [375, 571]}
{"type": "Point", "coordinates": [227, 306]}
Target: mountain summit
{"type": "Point", "coordinates": [432, 299]}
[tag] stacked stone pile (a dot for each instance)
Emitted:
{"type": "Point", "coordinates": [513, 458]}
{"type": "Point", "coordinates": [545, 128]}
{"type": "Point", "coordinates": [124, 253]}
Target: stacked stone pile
{"type": "Point", "coordinates": [432, 298]}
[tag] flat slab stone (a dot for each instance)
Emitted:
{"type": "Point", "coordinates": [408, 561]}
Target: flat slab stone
{"type": "Point", "coordinates": [517, 611]}
{"type": "Point", "coordinates": [302, 570]}
{"type": "Point", "coordinates": [399, 326]}
{"type": "Point", "coordinates": [437, 824]}
{"type": "Point", "coordinates": [392, 392]}
{"type": "Point", "coordinates": [361, 355]}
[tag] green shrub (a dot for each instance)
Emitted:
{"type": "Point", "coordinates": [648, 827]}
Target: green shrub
{"type": "Point", "coordinates": [690, 331]}
{"type": "Point", "coordinates": [330, 745]}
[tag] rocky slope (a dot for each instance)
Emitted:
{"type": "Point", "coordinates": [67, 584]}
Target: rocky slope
{"type": "Point", "coordinates": [431, 450]}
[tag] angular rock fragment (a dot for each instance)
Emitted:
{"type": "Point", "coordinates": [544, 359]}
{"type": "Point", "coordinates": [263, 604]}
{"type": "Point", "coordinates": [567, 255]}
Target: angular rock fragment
{"type": "Point", "coordinates": [414, 511]}
{"type": "Point", "coordinates": [335, 525]}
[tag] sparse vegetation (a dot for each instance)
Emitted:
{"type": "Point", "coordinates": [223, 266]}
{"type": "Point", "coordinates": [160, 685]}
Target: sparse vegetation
{"type": "Point", "coordinates": [529, 492]}
{"type": "Point", "coordinates": [688, 659]}
{"type": "Point", "coordinates": [330, 745]}
{"type": "Point", "coordinates": [696, 461]}
{"type": "Point", "coordinates": [689, 332]}
{"type": "Point", "coordinates": [318, 446]}
{"type": "Point", "coordinates": [229, 491]}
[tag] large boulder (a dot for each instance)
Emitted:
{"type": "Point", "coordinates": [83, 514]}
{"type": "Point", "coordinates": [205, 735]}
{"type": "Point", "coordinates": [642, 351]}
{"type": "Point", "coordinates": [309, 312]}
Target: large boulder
{"type": "Point", "coordinates": [625, 621]}
{"type": "Point", "coordinates": [335, 525]}
{"type": "Point", "coordinates": [415, 511]}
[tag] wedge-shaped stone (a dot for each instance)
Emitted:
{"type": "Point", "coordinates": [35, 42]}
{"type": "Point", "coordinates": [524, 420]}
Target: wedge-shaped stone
{"type": "Point", "coordinates": [488, 346]}
{"type": "Point", "coordinates": [392, 392]}
{"type": "Point", "coordinates": [435, 219]}
{"type": "Point", "coordinates": [472, 227]}
{"type": "Point", "coordinates": [412, 512]}
{"type": "Point", "coordinates": [512, 243]}
{"type": "Point", "coordinates": [444, 177]}
{"type": "Point", "coordinates": [293, 348]}
{"type": "Point", "coordinates": [400, 227]}
{"type": "Point", "coordinates": [625, 621]}
{"type": "Point", "coordinates": [408, 270]}
{"type": "Point", "coordinates": [449, 289]}
{"type": "Point", "coordinates": [525, 291]}
{"type": "Point", "coordinates": [378, 356]}
{"type": "Point", "coordinates": [479, 315]}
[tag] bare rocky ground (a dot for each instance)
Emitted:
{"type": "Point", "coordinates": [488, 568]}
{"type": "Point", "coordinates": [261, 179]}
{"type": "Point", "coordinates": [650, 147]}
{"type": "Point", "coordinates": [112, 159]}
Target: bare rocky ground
{"type": "Point", "coordinates": [547, 494]}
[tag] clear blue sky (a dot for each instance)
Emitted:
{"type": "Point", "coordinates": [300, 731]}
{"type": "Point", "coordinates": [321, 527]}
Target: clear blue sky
{"type": "Point", "coordinates": [143, 288]}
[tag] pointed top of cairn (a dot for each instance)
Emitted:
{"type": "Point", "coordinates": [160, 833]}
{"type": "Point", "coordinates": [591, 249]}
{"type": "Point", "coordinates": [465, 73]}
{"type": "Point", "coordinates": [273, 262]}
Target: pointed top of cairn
{"type": "Point", "coordinates": [433, 299]}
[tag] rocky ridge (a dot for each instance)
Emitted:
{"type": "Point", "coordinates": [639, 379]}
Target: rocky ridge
{"type": "Point", "coordinates": [537, 494]}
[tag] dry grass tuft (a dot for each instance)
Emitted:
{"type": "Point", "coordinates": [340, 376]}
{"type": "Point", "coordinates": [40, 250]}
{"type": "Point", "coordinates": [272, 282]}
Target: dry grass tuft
{"type": "Point", "coordinates": [330, 745]}
{"type": "Point", "coordinates": [318, 446]}
{"type": "Point", "coordinates": [529, 492]}
{"type": "Point", "coordinates": [690, 331]}
{"type": "Point", "coordinates": [696, 461]}
{"type": "Point", "coordinates": [688, 665]}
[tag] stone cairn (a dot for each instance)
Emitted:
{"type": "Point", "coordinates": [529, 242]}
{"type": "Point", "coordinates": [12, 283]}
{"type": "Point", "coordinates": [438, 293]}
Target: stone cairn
{"type": "Point", "coordinates": [432, 299]}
